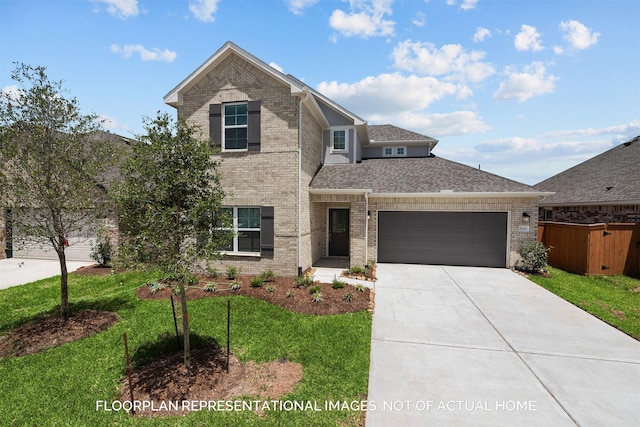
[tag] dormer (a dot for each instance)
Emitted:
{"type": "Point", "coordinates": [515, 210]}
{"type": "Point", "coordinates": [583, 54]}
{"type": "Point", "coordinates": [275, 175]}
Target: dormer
{"type": "Point", "coordinates": [386, 141]}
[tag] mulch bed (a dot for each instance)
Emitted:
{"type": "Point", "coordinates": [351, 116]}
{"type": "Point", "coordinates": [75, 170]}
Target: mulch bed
{"type": "Point", "coordinates": [54, 331]}
{"type": "Point", "coordinates": [284, 294]}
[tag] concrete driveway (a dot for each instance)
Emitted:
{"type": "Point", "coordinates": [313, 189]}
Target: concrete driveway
{"type": "Point", "coordinates": [18, 271]}
{"type": "Point", "coordinates": [470, 346]}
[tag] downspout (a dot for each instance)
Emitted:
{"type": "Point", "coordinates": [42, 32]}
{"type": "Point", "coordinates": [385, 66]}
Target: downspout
{"type": "Point", "coordinates": [366, 227]}
{"type": "Point", "coordinates": [305, 91]}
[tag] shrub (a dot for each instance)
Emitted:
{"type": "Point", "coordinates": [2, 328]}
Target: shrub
{"type": "Point", "coordinates": [337, 284]}
{"type": "Point", "coordinates": [212, 272]}
{"type": "Point", "coordinates": [359, 287]}
{"type": "Point", "coordinates": [534, 257]}
{"type": "Point", "coordinates": [290, 294]}
{"type": "Point", "coordinates": [303, 281]}
{"type": "Point", "coordinates": [232, 272]}
{"type": "Point", "coordinates": [270, 288]}
{"type": "Point", "coordinates": [356, 270]}
{"type": "Point", "coordinates": [268, 275]}
{"type": "Point", "coordinates": [316, 297]}
{"type": "Point", "coordinates": [210, 287]}
{"type": "Point", "coordinates": [101, 252]}
{"type": "Point", "coordinates": [256, 282]}
{"type": "Point", "coordinates": [348, 297]}
{"type": "Point", "coordinates": [314, 289]}
{"type": "Point", "coordinates": [235, 286]}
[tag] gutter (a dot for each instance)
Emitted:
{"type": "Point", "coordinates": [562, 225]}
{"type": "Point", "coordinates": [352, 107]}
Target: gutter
{"type": "Point", "coordinates": [443, 193]}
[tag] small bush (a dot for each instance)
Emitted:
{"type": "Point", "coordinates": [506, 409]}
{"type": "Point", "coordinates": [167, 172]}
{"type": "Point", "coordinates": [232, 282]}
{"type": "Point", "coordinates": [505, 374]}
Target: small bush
{"type": "Point", "coordinates": [303, 281]}
{"type": "Point", "coordinates": [359, 287]}
{"type": "Point", "coordinates": [268, 275]}
{"type": "Point", "coordinates": [235, 286]}
{"type": "Point", "coordinates": [290, 294]}
{"type": "Point", "coordinates": [534, 257]}
{"type": "Point", "coordinates": [316, 297]}
{"type": "Point", "coordinates": [270, 288]}
{"type": "Point", "coordinates": [356, 270]}
{"type": "Point", "coordinates": [101, 252]}
{"type": "Point", "coordinates": [348, 297]}
{"type": "Point", "coordinates": [337, 284]}
{"type": "Point", "coordinates": [213, 272]}
{"type": "Point", "coordinates": [210, 287]}
{"type": "Point", "coordinates": [232, 272]}
{"type": "Point", "coordinates": [315, 289]}
{"type": "Point", "coordinates": [257, 282]}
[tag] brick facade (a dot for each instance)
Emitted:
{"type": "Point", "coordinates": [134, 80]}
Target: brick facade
{"type": "Point", "coordinates": [592, 214]}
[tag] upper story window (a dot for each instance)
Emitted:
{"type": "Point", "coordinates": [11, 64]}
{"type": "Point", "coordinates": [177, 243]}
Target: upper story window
{"type": "Point", "coordinates": [394, 151]}
{"type": "Point", "coordinates": [235, 126]}
{"type": "Point", "coordinates": [339, 140]}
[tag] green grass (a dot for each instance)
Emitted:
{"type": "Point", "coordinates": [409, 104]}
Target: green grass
{"type": "Point", "coordinates": [60, 386]}
{"type": "Point", "coordinates": [614, 299]}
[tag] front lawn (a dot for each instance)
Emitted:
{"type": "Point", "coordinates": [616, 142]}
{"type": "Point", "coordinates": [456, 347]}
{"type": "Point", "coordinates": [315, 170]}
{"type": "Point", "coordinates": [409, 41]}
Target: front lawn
{"type": "Point", "coordinates": [614, 299]}
{"type": "Point", "coordinates": [62, 385]}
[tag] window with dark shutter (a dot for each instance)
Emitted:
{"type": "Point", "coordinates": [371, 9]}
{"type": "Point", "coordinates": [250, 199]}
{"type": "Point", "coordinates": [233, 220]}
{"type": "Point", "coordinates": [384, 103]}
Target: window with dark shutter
{"type": "Point", "coordinates": [253, 137]}
{"type": "Point", "coordinates": [235, 126]}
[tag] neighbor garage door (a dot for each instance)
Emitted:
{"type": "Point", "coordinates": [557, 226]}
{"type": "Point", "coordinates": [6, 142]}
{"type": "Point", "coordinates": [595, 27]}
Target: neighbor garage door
{"type": "Point", "coordinates": [445, 238]}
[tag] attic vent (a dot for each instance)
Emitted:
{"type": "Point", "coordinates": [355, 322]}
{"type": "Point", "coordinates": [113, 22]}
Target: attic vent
{"type": "Point", "coordinates": [609, 188]}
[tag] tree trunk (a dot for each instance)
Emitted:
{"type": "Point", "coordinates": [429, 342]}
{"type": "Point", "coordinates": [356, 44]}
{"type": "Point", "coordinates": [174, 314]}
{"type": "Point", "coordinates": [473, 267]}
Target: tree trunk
{"type": "Point", "coordinates": [64, 289]}
{"type": "Point", "coordinates": [185, 328]}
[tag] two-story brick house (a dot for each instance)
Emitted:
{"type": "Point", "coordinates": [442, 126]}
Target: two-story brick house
{"type": "Point", "coordinates": [307, 179]}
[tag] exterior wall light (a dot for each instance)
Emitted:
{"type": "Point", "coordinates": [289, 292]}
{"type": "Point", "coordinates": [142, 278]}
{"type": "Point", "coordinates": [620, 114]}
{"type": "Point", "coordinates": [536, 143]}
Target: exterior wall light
{"type": "Point", "coordinates": [526, 217]}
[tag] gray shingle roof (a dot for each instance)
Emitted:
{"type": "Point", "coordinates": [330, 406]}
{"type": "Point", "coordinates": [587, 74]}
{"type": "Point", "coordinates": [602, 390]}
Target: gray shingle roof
{"type": "Point", "coordinates": [613, 176]}
{"type": "Point", "coordinates": [391, 133]}
{"type": "Point", "coordinates": [413, 175]}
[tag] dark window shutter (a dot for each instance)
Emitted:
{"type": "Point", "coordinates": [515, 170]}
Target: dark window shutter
{"type": "Point", "coordinates": [266, 231]}
{"type": "Point", "coordinates": [253, 135]}
{"type": "Point", "coordinates": [215, 124]}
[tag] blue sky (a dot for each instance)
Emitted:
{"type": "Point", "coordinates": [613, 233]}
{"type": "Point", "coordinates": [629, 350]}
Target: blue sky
{"type": "Point", "coordinates": [526, 89]}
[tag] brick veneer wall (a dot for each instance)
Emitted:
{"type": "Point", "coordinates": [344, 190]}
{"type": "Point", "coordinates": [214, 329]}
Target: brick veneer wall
{"type": "Point", "coordinates": [265, 178]}
{"type": "Point", "coordinates": [595, 214]}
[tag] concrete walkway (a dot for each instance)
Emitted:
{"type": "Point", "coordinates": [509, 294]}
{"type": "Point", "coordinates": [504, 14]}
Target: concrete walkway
{"type": "Point", "coordinates": [18, 271]}
{"type": "Point", "coordinates": [479, 346]}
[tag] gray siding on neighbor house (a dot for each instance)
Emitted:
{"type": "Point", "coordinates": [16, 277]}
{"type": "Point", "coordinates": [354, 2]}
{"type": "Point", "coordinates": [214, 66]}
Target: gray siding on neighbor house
{"type": "Point", "coordinates": [376, 152]}
{"type": "Point", "coordinates": [338, 158]}
{"type": "Point", "coordinates": [333, 117]}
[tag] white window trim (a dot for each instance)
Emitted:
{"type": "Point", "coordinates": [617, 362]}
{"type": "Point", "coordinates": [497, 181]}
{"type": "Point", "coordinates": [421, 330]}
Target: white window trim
{"type": "Point", "coordinates": [225, 127]}
{"type": "Point", "coordinates": [346, 140]}
{"type": "Point", "coordinates": [401, 155]}
{"type": "Point", "coordinates": [237, 230]}
{"type": "Point", "coordinates": [384, 151]}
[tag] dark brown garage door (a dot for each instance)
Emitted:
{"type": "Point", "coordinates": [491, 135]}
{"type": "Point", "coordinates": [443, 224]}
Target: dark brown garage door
{"type": "Point", "coordinates": [444, 238]}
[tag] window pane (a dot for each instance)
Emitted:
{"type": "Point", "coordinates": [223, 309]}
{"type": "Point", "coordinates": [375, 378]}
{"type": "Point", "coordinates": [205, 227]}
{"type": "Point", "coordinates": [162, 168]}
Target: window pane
{"type": "Point", "coordinates": [248, 217]}
{"type": "Point", "coordinates": [235, 139]}
{"type": "Point", "coordinates": [249, 241]}
{"type": "Point", "coordinates": [339, 139]}
{"type": "Point", "coordinates": [235, 115]}
{"type": "Point", "coordinates": [400, 151]}
{"type": "Point", "coordinates": [388, 151]}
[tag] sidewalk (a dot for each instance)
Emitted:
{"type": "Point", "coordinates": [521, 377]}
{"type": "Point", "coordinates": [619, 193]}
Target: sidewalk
{"type": "Point", "coordinates": [18, 271]}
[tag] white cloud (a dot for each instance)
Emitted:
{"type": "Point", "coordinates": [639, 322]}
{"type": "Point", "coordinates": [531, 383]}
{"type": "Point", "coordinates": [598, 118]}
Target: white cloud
{"type": "Point", "coordinates": [450, 60]}
{"type": "Point", "coordinates": [618, 132]}
{"type": "Point", "coordinates": [528, 39]}
{"type": "Point", "coordinates": [578, 35]}
{"type": "Point", "coordinates": [388, 93]}
{"type": "Point", "coordinates": [437, 125]}
{"type": "Point", "coordinates": [121, 8]}
{"type": "Point", "coordinates": [297, 7]}
{"type": "Point", "coordinates": [11, 92]}
{"type": "Point", "coordinates": [276, 66]}
{"type": "Point", "coordinates": [466, 4]}
{"type": "Point", "coordinates": [419, 19]}
{"type": "Point", "coordinates": [522, 85]}
{"type": "Point", "coordinates": [204, 10]}
{"type": "Point", "coordinates": [111, 124]}
{"type": "Point", "coordinates": [481, 34]}
{"type": "Point", "coordinates": [365, 19]}
{"type": "Point", "coordinates": [145, 54]}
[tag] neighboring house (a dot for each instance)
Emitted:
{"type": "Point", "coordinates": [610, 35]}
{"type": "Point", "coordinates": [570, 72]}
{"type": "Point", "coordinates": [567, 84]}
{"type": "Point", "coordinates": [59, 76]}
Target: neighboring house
{"type": "Point", "coordinates": [307, 179]}
{"type": "Point", "coordinates": [605, 188]}
{"type": "Point", "coordinates": [16, 243]}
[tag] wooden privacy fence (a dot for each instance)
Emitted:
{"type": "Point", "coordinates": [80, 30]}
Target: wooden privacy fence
{"type": "Point", "coordinates": [592, 249]}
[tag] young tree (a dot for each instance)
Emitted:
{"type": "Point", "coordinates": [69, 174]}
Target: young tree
{"type": "Point", "coordinates": [169, 206]}
{"type": "Point", "coordinates": [51, 171]}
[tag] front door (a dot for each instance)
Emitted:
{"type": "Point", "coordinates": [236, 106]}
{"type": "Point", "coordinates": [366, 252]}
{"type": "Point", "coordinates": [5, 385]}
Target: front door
{"type": "Point", "coordinates": [338, 232]}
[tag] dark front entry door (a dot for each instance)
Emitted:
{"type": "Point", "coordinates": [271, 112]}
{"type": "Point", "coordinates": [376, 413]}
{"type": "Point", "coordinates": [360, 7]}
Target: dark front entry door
{"type": "Point", "coordinates": [338, 232]}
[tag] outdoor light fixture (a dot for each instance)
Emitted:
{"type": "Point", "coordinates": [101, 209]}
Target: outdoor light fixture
{"type": "Point", "coordinates": [368, 214]}
{"type": "Point", "coordinates": [526, 217]}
